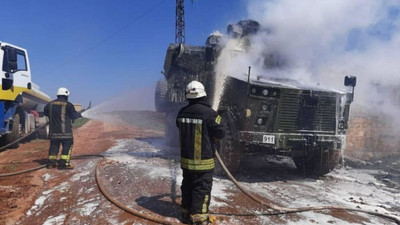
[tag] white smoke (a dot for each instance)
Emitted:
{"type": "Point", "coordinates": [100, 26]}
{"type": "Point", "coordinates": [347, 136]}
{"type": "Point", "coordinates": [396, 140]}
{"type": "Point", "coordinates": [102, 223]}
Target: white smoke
{"type": "Point", "coordinates": [323, 41]}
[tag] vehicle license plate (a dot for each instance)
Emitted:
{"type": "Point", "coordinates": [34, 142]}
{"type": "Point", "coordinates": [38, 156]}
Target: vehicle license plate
{"type": "Point", "coordinates": [269, 139]}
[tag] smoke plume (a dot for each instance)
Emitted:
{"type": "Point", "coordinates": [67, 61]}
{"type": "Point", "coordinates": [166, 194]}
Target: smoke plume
{"type": "Point", "coordinates": [323, 41]}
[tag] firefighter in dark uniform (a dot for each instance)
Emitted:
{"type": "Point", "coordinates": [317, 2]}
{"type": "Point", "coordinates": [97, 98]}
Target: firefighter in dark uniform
{"type": "Point", "coordinates": [199, 127]}
{"type": "Point", "coordinates": [61, 113]}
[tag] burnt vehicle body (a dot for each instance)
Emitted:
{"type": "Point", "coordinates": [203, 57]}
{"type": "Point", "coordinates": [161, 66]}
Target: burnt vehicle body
{"type": "Point", "coordinates": [271, 116]}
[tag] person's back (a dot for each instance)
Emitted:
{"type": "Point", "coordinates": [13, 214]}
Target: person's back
{"type": "Point", "coordinates": [61, 113]}
{"type": "Point", "coordinates": [199, 126]}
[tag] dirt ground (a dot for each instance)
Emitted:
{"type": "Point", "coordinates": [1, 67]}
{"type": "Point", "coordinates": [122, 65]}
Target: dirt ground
{"type": "Point", "coordinates": [142, 173]}
{"type": "Point", "coordinates": [19, 193]}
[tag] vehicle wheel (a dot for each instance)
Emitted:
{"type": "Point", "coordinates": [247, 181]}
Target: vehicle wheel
{"type": "Point", "coordinates": [326, 160]}
{"type": "Point", "coordinates": [171, 130]}
{"type": "Point", "coordinates": [229, 149]}
{"type": "Point", "coordinates": [160, 93]}
{"type": "Point", "coordinates": [15, 133]}
{"type": "Point", "coordinates": [43, 133]}
{"type": "Point", "coordinates": [319, 163]}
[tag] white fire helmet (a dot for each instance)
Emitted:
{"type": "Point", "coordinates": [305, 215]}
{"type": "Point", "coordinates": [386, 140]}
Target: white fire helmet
{"type": "Point", "coordinates": [195, 90]}
{"type": "Point", "coordinates": [63, 91]}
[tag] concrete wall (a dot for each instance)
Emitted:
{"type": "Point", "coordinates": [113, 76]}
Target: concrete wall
{"type": "Point", "coordinates": [371, 137]}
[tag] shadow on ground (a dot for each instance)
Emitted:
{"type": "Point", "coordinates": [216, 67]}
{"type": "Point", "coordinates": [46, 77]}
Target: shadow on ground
{"type": "Point", "coordinates": [160, 205]}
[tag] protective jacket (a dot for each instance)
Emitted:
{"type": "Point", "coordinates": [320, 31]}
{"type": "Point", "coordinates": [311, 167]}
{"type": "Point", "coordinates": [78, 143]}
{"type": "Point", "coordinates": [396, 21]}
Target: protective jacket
{"type": "Point", "coordinates": [60, 113]}
{"type": "Point", "coordinates": [198, 126]}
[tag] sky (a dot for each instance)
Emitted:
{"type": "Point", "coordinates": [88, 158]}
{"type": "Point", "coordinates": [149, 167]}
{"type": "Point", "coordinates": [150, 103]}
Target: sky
{"type": "Point", "coordinates": [113, 51]}
{"type": "Point", "coordinates": [100, 49]}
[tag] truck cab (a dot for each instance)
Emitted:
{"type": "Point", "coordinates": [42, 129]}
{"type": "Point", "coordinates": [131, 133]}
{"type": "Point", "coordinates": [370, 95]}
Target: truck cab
{"type": "Point", "coordinates": [21, 101]}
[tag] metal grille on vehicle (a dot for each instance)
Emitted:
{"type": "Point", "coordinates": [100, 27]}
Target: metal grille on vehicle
{"type": "Point", "coordinates": [308, 111]}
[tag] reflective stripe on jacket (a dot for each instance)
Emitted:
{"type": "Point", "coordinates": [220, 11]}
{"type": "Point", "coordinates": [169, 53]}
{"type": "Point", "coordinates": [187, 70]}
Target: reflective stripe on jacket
{"type": "Point", "coordinates": [198, 126]}
{"type": "Point", "coordinates": [60, 113]}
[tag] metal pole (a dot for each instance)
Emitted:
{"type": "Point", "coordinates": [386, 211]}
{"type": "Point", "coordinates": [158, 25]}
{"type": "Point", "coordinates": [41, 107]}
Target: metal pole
{"type": "Point", "coordinates": [180, 22]}
{"type": "Point", "coordinates": [248, 82]}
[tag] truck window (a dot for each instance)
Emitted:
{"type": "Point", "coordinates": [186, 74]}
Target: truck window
{"type": "Point", "coordinates": [21, 61]}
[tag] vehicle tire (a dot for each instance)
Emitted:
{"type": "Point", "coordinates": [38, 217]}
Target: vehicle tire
{"type": "Point", "coordinates": [319, 163]}
{"type": "Point", "coordinates": [160, 93]}
{"type": "Point", "coordinates": [15, 133]}
{"type": "Point", "coordinates": [229, 149]}
{"type": "Point", "coordinates": [171, 130]}
{"type": "Point", "coordinates": [43, 133]}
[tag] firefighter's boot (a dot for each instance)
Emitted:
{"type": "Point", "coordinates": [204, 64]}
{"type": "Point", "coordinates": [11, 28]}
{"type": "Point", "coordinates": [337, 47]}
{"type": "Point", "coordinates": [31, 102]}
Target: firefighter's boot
{"type": "Point", "coordinates": [205, 222]}
{"type": "Point", "coordinates": [51, 162]}
{"type": "Point", "coordinates": [212, 219]}
{"type": "Point", "coordinates": [64, 165]}
{"type": "Point", "coordinates": [199, 219]}
{"type": "Point", "coordinates": [185, 216]}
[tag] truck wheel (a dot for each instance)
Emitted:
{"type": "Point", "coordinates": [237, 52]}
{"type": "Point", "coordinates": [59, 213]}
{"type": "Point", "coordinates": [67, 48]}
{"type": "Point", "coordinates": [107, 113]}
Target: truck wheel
{"type": "Point", "coordinates": [160, 93]}
{"type": "Point", "coordinates": [171, 130]}
{"type": "Point", "coordinates": [319, 163]}
{"type": "Point", "coordinates": [14, 135]}
{"type": "Point", "coordinates": [43, 133]}
{"type": "Point", "coordinates": [326, 160]}
{"type": "Point", "coordinates": [229, 149]}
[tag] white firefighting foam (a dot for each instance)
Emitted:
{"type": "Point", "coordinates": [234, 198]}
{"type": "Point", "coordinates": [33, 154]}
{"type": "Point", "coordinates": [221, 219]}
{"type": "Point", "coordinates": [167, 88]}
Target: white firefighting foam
{"type": "Point", "coordinates": [345, 187]}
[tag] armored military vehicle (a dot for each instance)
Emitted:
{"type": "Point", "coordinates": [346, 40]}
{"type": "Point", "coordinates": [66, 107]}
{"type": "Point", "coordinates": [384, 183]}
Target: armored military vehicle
{"type": "Point", "coordinates": [272, 116]}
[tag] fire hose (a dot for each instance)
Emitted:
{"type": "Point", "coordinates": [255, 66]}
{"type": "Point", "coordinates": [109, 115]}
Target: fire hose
{"type": "Point", "coordinates": [34, 131]}
{"type": "Point", "coordinates": [41, 166]}
{"type": "Point", "coordinates": [278, 210]}
{"type": "Point", "coordinates": [284, 210]}
{"type": "Point", "coordinates": [125, 208]}
{"type": "Point", "coordinates": [21, 138]}
{"type": "Point", "coordinates": [16, 141]}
